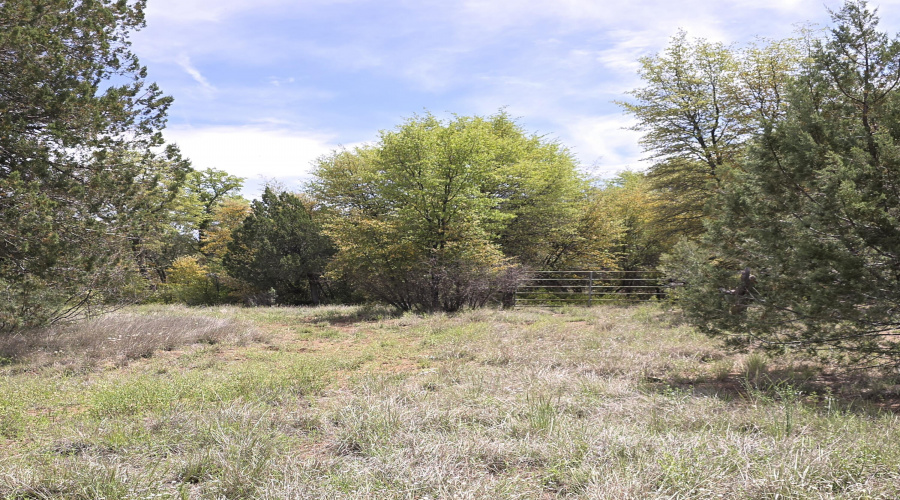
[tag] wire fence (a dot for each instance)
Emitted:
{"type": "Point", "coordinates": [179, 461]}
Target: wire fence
{"type": "Point", "coordinates": [560, 288]}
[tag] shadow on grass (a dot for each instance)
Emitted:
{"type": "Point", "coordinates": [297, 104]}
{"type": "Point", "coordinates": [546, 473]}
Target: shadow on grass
{"type": "Point", "coordinates": [849, 392]}
{"type": "Point", "coordinates": [355, 314]}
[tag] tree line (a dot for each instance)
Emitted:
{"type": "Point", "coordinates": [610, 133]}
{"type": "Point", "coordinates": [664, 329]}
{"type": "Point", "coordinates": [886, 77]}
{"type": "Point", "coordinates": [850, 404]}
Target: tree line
{"type": "Point", "coordinates": [97, 210]}
{"type": "Point", "coordinates": [773, 195]}
{"type": "Point", "coordinates": [435, 215]}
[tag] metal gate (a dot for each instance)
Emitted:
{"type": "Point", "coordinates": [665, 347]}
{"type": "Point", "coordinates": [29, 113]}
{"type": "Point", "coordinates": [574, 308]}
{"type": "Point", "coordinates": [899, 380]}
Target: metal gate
{"type": "Point", "coordinates": [560, 288]}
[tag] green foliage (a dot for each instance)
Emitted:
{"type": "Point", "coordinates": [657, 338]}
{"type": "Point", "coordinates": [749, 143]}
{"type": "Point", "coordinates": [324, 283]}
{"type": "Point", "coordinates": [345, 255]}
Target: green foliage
{"type": "Point", "coordinates": [206, 191]}
{"type": "Point", "coordinates": [629, 201]}
{"type": "Point", "coordinates": [192, 283]}
{"type": "Point", "coordinates": [280, 246]}
{"type": "Point", "coordinates": [688, 108]}
{"type": "Point", "coordinates": [432, 215]}
{"type": "Point", "coordinates": [158, 230]}
{"type": "Point", "coordinates": [700, 103]}
{"type": "Point", "coordinates": [194, 230]}
{"type": "Point", "coordinates": [813, 212]}
{"type": "Point", "coordinates": [78, 128]}
{"type": "Point", "coordinates": [184, 224]}
{"type": "Point", "coordinates": [225, 218]}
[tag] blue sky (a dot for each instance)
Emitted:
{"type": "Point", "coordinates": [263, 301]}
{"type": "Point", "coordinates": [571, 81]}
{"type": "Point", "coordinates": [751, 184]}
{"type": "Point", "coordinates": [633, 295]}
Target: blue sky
{"type": "Point", "coordinates": [262, 88]}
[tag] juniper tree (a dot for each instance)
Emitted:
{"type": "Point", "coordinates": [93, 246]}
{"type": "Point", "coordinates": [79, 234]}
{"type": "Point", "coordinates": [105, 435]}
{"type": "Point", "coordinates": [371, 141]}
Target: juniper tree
{"type": "Point", "coordinates": [280, 246]}
{"type": "Point", "coordinates": [813, 212]}
{"type": "Point", "coordinates": [80, 159]}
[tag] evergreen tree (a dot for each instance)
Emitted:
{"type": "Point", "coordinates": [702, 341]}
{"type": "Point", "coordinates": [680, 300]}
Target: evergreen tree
{"type": "Point", "coordinates": [280, 246]}
{"type": "Point", "coordinates": [78, 129]}
{"type": "Point", "coordinates": [813, 213]}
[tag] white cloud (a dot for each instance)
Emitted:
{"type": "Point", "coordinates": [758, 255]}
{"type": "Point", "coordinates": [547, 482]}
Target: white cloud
{"type": "Point", "coordinates": [626, 48]}
{"type": "Point", "coordinates": [253, 151]}
{"type": "Point", "coordinates": [349, 64]}
{"type": "Point", "coordinates": [281, 81]}
{"type": "Point", "coordinates": [604, 144]}
{"type": "Point", "coordinates": [353, 56]}
{"type": "Point", "coordinates": [185, 62]}
{"type": "Point", "coordinates": [729, 21]}
{"type": "Point", "coordinates": [497, 15]}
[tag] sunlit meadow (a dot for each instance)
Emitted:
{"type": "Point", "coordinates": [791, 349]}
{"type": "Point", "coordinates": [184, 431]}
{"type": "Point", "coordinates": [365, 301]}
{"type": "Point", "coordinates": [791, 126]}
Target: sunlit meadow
{"type": "Point", "coordinates": [358, 402]}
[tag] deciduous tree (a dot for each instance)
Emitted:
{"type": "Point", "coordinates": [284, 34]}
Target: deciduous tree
{"type": "Point", "coordinates": [437, 214]}
{"type": "Point", "coordinates": [701, 102]}
{"type": "Point", "coordinates": [629, 201]}
{"type": "Point", "coordinates": [206, 191]}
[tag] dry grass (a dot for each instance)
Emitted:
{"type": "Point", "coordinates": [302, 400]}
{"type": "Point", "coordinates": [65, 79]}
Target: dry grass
{"type": "Point", "coordinates": [341, 402]}
{"type": "Point", "coordinates": [118, 338]}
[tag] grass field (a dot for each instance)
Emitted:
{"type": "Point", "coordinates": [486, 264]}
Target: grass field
{"type": "Point", "coordinates": [353, 402]}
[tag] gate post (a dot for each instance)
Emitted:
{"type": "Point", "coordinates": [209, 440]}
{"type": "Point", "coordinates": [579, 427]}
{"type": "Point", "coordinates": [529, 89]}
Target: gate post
{"type": "Point", "coordinates": [590, 288]}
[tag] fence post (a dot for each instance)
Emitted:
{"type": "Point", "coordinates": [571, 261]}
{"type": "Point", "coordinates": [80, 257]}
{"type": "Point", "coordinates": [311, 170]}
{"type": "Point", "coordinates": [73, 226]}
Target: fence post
{"type": "Point", "coordinates": [515, 300]}
{"type": "Point", "coordinates": [590, 288]}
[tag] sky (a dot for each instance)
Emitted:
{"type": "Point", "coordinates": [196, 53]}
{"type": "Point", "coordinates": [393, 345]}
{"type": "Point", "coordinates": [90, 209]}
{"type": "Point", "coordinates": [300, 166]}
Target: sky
{"type": "Point", "coordinates": [262, 88]}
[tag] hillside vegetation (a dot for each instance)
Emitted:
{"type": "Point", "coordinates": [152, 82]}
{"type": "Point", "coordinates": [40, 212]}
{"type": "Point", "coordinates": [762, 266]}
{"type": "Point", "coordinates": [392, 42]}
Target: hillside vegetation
{"type": "Point", "coordinates": [356, 402]}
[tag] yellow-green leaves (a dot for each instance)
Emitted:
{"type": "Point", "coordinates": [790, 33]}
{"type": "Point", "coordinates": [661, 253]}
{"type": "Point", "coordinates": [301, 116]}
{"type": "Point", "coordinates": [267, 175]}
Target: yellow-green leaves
{"type": "Point", "coordinates": [700, 104]}
{"type": "Point", "coordinates": [436, 213]}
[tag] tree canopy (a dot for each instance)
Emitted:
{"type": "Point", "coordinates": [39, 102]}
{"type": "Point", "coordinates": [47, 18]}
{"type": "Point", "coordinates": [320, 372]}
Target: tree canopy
{"type": "Point", "coordinates": [700, 103]}
{"type": "Point", "coordinates": [80, 165]}
{"type": "Point", "coordinates": [280, 246]}
{"type": "Point", "coordinates": [436, 214]}
{"type": "Point", "coordinates": [813, 211]}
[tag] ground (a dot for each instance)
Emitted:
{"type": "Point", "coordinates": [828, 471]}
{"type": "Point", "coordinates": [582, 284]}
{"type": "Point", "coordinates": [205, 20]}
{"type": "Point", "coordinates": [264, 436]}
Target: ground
{"type": "Point", "coordinates": [358, 402]}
